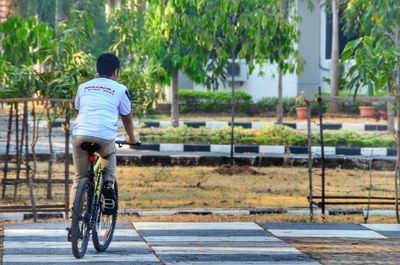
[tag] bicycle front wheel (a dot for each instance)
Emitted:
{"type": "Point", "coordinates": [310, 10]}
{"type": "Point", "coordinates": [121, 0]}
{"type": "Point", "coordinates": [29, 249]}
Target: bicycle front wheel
{"type": "Point", "coordinates": [80, 231]}
{"type": "Point", "coordinates": [105, 226]}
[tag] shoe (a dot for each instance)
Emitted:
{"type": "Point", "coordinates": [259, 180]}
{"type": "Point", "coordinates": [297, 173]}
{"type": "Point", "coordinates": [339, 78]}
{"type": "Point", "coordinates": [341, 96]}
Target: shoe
{"type": "Point", "coordinates": [108, 203]}
{"type": "Point", "coordinates": [69, 236]}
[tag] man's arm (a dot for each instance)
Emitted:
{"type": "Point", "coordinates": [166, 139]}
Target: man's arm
{"type": "Point", "coordinates": [128, 125]}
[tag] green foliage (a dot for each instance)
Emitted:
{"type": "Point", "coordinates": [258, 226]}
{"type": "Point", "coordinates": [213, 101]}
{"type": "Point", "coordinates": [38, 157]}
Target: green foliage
{"type": "Point", "coordinates": [268, 135]}
{"type": "Point", "coordinates": [255, 31]}
{"type": "Point", "coordinates": [374, 57]}
{"type": "Point", "coordinates": [142, 87]}
{"type": "Point", "coordinates": [301, 100]}
{"type": "Point", "coordinates": [268, 105]}
{"type": "Point", "coordinates": [137, 74]}
{"type": "Point", "coordinates": [373, 66]}
{"type": "Point", "coordinates": [25, 41]}
{"type": "Point", "coordinates": [209, 101]}
{"type": "Point", "coordinates": [63, 65]}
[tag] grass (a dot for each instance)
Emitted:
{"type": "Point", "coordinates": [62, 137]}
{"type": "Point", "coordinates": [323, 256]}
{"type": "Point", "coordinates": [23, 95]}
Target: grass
{"type": "Point", "coordinates": [169, 187]}
{"type": "Point", "coordinates": [160, 187]}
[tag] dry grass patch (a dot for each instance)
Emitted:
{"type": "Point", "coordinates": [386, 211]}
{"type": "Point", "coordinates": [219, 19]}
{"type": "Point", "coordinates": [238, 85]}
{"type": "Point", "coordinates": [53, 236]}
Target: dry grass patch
{"type": "Point", "coordinates": [202, 187]}
{"type": "Point", "coordinates": [293, 218]}
{"type": "Point", "coordinates": [163, 187]}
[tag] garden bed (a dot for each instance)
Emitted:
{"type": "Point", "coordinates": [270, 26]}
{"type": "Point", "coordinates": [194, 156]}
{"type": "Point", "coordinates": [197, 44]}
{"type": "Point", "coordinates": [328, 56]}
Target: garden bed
{"type": "Point", "coordinates": [268, 135]}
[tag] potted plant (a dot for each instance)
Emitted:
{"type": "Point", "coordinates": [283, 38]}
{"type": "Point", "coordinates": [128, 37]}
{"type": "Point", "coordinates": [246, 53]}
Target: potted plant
{"type": "Point", "coordinates": [301, 106]}
{"type": "Point", "coordinates": [367, 110]}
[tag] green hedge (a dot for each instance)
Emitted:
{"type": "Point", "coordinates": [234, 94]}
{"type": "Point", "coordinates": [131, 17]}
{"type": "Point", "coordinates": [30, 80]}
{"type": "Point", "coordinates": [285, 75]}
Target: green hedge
{"type": "Point", "coordinates": [268, 135]}
{"type": "Point", "coordinates": [209, 101]}
{"type": "Point", "coordinates": [268, 105]}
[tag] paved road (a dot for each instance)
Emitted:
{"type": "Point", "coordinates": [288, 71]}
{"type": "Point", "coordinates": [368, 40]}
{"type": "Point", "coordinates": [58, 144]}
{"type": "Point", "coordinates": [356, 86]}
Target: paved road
{"type": "Point", "coordinates": [207, 243]}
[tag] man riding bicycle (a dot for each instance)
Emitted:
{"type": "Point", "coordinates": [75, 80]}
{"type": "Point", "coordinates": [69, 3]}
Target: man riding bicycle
{"type": "Point", "coordinates": [98, 103]}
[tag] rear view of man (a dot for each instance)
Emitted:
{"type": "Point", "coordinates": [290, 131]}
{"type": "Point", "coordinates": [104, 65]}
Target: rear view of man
{"type": "Point", "coordinates": [99, 102]}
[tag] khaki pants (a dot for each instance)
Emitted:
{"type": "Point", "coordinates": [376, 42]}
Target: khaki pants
{"type": "Point", "coordinates": [81, 162]}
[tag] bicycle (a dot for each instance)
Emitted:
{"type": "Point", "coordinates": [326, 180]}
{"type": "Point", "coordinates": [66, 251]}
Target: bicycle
{"type": "Point", "coordinates": [87, 216]}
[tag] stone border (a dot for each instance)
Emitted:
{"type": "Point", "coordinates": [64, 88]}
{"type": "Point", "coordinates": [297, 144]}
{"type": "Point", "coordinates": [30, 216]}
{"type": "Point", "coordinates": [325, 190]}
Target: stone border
{"type": "Point", "coordinates": [206, 211]}
{"type": "Point", "coordinates": [269, 149]}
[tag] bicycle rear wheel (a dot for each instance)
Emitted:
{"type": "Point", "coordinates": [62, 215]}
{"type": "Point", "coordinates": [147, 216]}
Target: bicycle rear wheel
{"type": "Point", "coordinates": [105, 226]}
{"type": "Point", "coordinates": [80, 218]}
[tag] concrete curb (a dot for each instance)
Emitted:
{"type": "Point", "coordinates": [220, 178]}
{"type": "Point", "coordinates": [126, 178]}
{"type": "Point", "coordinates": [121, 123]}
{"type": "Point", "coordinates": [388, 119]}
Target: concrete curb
{"type": "Point", "coordinates": [140, 158]}
{"type": "Point", "coordinates": [206, 211]}
{"type": "Point", "coordinates": [268, 149]}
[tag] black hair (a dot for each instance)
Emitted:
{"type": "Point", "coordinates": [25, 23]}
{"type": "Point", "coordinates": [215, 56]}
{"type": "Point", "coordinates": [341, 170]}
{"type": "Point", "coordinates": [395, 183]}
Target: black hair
{"type": "Point", "coordinates": [106, 64]}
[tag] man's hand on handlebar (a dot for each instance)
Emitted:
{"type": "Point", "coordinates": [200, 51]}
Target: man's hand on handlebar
{"type": "Point", "coordinates": [131, 141]}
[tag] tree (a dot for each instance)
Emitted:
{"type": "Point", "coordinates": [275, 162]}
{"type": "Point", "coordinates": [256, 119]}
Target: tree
{"type": "Point", "coordinates": [257, 32]}
{"type": "Point", "coordinates": [334, 68]}
{"type": "Point", "coordinates": [375, 57]}
{"type": "Point", "coordinates": [288, 57]}
{"type": "Point", "coordinates": [173, 43]}
{"type": "Point", "coordinates": [127, 27]}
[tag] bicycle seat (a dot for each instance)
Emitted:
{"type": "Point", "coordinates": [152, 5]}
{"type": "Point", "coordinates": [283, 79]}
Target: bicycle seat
{"type": "Point", "coordinates": [90, 147]}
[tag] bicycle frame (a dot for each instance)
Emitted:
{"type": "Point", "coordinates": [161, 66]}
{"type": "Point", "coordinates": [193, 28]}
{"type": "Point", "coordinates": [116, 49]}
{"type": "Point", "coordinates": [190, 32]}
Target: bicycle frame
{"type": "Point", "coordinates": [97, 184]}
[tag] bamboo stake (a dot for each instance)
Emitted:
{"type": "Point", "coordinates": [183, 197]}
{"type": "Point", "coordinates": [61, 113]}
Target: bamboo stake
{"type": "Point", "coordinates": [310, 161]}
{"type": "Point", "coordinates": [18, 151]}
{"type": "Point", "coordinates": [67, 133]}
{"type": "Point", "coordinates": [30, 178]}
{"type": "Point", "coordinates": [9, 131]}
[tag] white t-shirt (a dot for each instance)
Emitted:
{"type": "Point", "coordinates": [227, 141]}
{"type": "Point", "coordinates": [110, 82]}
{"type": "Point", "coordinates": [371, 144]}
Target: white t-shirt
{"type": "Point", "coordinates": [98, 103]}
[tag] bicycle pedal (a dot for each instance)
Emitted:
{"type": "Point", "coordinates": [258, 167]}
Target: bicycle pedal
{"type": "Point", "coordinates": [109, 204]}
{"type": "Point", "coordinates": [69, 236]}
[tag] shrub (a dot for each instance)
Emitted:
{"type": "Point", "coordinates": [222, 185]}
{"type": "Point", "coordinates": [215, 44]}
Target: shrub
{"type": "Point", "coordinates": [209, 101]}
{"type": "Point", "coordinates": [268, 135]}
{"type": "Point", "coordinates": [268, 105]}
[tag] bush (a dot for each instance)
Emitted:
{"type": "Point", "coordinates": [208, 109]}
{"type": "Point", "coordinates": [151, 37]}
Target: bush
{"type": "Point", "coordinates": [268, 105]}
{"type": "Point", "coordinates": [268, 135]}
{"type": "Point", "coordinates": [209, 101]}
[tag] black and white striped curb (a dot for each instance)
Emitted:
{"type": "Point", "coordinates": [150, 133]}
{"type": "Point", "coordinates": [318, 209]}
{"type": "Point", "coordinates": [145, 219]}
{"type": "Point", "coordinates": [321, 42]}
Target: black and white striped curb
{"type": "Point", "coordinates": [268, 149]}
{"type": "Point", "coordinates": [248, 125]}
{"type": "Point", "coordinates": [239, 149]}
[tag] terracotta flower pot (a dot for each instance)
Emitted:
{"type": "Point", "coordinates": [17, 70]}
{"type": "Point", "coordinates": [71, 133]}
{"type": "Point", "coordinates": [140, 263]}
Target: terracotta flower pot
{"type": "Point", "coordinates": [301, 113]}
{"type": "Point", "coordinates": [367, 111]}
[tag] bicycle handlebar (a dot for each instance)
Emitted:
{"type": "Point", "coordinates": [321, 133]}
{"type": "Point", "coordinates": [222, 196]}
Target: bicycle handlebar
{"type": "Point", "coordinates": [120, 143]}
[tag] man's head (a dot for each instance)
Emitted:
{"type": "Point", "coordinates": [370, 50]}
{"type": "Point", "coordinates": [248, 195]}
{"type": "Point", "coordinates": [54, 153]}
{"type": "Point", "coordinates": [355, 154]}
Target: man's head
{"type": "Point", "coordinates": [108, 66]}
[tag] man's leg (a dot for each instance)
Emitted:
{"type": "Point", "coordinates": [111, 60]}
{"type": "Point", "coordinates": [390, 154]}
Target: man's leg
{"type": "Point", "coordinates": [81, 165]}
{"type": "Point", "coordinates": [108, 159]}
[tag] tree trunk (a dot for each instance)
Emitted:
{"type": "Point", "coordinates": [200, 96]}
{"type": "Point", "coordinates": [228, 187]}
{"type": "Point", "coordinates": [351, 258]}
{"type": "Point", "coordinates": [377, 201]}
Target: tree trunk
{"type": "Point", "coordinates": [397, 102]}
{"type": "Point", "coordinates": [175, 101]}
{"type": "Point", "coordinates": [334, 71]}
{"type": "Point", "coordinates": [279, 107]}
{"type": "Point", "coordinates": [397, 171]}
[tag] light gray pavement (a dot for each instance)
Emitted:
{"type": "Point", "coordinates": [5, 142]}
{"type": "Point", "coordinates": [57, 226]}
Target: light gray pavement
{"type": "Point", "coordinates": [212, 243]}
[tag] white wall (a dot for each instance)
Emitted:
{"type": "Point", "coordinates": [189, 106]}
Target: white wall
{"type": "Point", "coordinates": [264, 86]}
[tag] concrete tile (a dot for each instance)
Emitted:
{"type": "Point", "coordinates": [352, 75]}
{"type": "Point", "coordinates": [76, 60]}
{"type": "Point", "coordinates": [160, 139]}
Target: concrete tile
{"type": "Point", "coordinates": [383, 227]}
{"type": "Point", "coordinates": [326, 233]}
{"type": "Point", "coordinates": [196, 226]}
{"type": "Point", "coordinates": [272, 149]}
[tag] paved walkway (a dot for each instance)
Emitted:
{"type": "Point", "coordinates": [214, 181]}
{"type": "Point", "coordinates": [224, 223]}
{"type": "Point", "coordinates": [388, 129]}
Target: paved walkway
{"type": "Point", "coordinates": [211, 243]}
